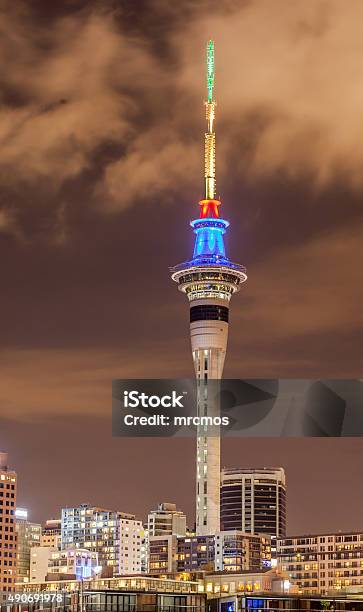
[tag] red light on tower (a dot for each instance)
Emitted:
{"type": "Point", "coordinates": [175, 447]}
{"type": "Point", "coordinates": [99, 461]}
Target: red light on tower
{"type": "Point", "coordinates": [209, 209]}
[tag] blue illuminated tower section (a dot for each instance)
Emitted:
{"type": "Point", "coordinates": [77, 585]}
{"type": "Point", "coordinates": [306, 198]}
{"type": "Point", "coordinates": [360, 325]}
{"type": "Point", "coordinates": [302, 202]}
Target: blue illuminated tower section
{"type": "Point", "coordinates": [209, 280]}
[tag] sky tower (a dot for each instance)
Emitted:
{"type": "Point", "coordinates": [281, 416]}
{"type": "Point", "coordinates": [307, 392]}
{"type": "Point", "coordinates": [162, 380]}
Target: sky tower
{"type": "Point", "coordinates": [209, 280]}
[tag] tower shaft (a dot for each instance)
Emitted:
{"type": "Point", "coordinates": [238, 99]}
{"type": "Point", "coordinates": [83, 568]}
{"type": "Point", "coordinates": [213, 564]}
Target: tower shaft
{"type": "Point", "coordinates": [209, 343]}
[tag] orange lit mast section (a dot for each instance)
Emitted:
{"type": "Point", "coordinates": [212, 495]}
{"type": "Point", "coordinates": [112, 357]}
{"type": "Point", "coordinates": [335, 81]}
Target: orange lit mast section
{"type": "Point", "coordinates": [209, 205]}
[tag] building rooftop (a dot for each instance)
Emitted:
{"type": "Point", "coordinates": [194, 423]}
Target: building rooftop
{"type": "Point", "coordinates": [235, 470]}
{"type": "Point", "coordinates": [320, 535]}
{"type": "Point", "coordinates": [263, 570]}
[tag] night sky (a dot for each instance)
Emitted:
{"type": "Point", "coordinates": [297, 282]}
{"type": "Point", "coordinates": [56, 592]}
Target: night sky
{"type": "Point", "coordinates": [101, 169]}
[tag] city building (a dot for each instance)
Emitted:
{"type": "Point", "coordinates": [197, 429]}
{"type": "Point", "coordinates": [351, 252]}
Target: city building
{"type": "Point", "coordinates": [279, 598]}
{"type": "Point", "coordinates": [217, 592]}
{"type": "Point", "coordinates": [145, 550]}
{"type": "Point", "coordinates": [72, 563]}
{"type": "Point", "coordinates": [196, 553]}
{"type": "Point", "coordinates": [230, 551]}
{"type": "Point", "coordinates": [209, 279]}
{"type": "Point", "coordinates": [51, 533]}
{"type": "Point", "coordinates": [8, 548]}
{"type": "Point", "coordinates": [131, 546]}
{"type": "Point", "coordinates": [164, 526]}
{"type": "Point", "coordinates": [225, 584]}
{"type": "Point", "coordinates": [28, 536]}
{"type": "Point", "coordinates": [236, 551]}
{"type": "Point", "coordinates": [126, 594]}
{"type": "Point", "coordinates": [254, 500]}
{"type": "Point", "coordinates": [323, 564]}
{"type": "Point", "coordinates": [117, 537]}
{"type": "Point", "coordinates": [166, 520]}
{"type": "Point", "coordinates": [49, 563]}
{"type": "Point", "coordinates": [163, 554]}
{"type": "Point", "coordinates": [39, 560]}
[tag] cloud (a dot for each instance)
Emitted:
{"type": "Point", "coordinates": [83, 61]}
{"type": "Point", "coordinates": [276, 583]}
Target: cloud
{"type": "Point", "coordinates": [38, 382]}
{"type": "Point", "coordinates": [155, 164]}
{"type": "Point", "coordinates": [292, 73]}
{"type": "Point", "coordinates": [299, 313]}
{"type": "Point", "coordinates": [8, 224]}
{"type": "Point", "coordinates": [4, 221]}
{"type": "Point", "coordinates": [72, 102]}
{"type": "Point", "coordinates": [97, 99]}
{"type": "Point", "coordinates": [313, 280]}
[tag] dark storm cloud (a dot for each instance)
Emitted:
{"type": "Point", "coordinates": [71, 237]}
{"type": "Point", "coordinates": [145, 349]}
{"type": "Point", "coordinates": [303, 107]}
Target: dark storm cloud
{"type": "Point", "coordinates": [72, 102]}
{"type": "Point", "coordinates": [101, 134]}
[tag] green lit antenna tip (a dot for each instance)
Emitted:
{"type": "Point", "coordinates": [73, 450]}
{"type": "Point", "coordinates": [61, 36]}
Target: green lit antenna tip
{"type": "Point", "coordinates": [210, 69]}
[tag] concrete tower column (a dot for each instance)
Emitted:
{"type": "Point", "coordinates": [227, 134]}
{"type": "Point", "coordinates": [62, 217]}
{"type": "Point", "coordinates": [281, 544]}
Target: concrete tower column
{"type": "Point", "coordinates": [209, 343]}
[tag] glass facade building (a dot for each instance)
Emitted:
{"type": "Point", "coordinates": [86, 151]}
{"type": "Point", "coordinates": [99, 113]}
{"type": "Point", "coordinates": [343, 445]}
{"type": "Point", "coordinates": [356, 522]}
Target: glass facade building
{"type": "Point", "coordinates": [254, 501]}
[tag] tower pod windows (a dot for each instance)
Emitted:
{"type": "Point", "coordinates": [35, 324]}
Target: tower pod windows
{"type": "Point", "coordinates": [210, 312]}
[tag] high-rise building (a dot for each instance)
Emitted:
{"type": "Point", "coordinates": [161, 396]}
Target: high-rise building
{"type": "Point", "coordinates": [166, 520]}
{"type": "Point", "coordinates": [8, 482]}
{"type": "Point", "coordinates": [209, 280]}
{"type": "Point", "coordinates": [323, 564]}
{"type": "Point", "coordinates": [116, 536]}
{"type": "Point", "coordinates": [51, 533]}
{"type": "Point", "coordinates": [254, 500]}
{"type": "Point", "coordinates": [28, 536]}
{"type": "Point", "coordinates": [131, 546]}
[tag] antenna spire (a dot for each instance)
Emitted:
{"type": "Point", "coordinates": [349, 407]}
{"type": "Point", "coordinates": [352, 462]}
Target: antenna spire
{"type": "Point", "coordinates": [210, 69]}
{"type": "Point", "coordinates": [210, 137]}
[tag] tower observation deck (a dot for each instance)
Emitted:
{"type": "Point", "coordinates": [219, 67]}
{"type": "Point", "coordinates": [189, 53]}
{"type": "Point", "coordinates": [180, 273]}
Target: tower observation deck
{"type": "Point", "coordinates": [209, 279]}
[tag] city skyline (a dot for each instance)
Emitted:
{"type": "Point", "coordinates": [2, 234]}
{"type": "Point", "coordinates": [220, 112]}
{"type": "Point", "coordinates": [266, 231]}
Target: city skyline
{"type": "Point", "coordinates": [78, 231]}
{"type": "Point", "coordinates": [95, 543]}
{"type": "Point", "coordinates": [336, 520]}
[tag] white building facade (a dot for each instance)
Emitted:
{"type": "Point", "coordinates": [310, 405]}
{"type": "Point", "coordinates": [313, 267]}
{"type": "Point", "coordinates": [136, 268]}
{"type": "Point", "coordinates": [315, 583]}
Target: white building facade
{"type": "Point", "coordinates": [39, 559]}
{"type": "Point", "coordinates": [117, 537]}
{"type": "Point", "coordinates": [166, 520]}
{"type": "Point", "coordinates": [131, 546]}
{"type": "Point", "coordinates": [323, 564]}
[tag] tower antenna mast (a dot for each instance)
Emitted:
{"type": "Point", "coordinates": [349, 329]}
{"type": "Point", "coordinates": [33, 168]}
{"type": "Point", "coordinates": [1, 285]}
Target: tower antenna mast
{"type": "Point", "coordinates": [210, 137]}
